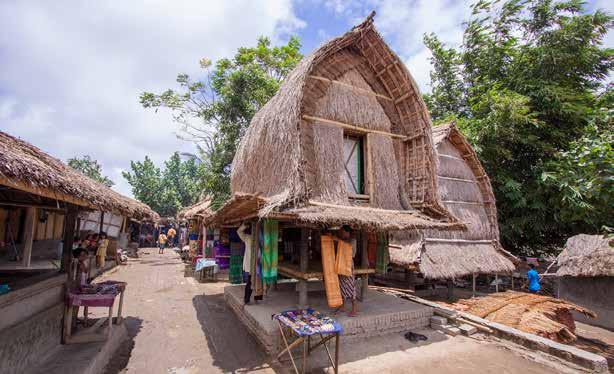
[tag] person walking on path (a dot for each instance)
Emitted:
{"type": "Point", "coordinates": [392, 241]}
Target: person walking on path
{"type": "Point", "coordinates": [533, 279]}
{"type": "Point", "coordinates": [171, 233]}
{"type": "Point", "coordinates": [101, 252]}
{"type": "Point", "coordinates": [161, 242]}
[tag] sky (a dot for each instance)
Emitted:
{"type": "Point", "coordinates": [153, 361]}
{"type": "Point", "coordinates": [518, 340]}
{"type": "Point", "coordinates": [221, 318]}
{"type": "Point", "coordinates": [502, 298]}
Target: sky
{"type": "Point", "coordinates": [71, 71]}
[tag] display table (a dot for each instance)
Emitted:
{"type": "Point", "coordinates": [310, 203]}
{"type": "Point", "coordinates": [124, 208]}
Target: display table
{"type": "Point", "coordinates": [305, 323]}
{"type": "Point", "coordinates": [97, 295]}
{"type": "Point", "coordinates": [206, 268]}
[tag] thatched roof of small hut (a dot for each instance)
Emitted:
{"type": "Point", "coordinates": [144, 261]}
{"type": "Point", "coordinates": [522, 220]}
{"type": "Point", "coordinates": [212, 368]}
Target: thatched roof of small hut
{"type": "Point", "coordinates": [292, 154]}
{"type": "Point", "coordinates": [587, 256]}
{"type": "Point", "coordinates": [201, 209]}
{"type": "Point", "coordinates": [465, 190]}
{"type": "Point", "coordinates": [27, 168]}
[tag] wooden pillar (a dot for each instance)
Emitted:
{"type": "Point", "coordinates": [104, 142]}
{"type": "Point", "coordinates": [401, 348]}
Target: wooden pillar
{"type": "Point", "coordinates": [496, 282]}
{"type": "Point", "coordinates": [364, 263]}
{"type": "Point", "coordinates": [101, 221]}
{"type": "Point", "coordinates": [473, 285]}
{"type": "Point", "coordinates": [28, 236]}
{"type": "Point", "coordinates": [69, 236]}
{"type": "Point", "coordinates": [303, 266]}
{"type": "Point", "coordinates": [512, 276]}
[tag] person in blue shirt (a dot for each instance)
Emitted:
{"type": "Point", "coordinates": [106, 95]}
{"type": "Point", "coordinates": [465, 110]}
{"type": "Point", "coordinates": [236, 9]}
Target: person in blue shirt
{"type": "Point", "coordinates": [533, 279]}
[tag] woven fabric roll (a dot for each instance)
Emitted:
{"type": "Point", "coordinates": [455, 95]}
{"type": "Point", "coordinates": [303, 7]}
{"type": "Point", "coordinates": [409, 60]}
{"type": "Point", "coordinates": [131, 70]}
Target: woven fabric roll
{"type": "Point", "coordinates": [331, 279]}
{"type": "Point", "coordinates": [343, 261]}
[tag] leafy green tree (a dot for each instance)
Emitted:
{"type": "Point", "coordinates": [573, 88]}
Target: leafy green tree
{"type": "Point", "coordinates": [168, 190]}
{"type": "Point", "coordinates": [216, 111]}
{"type": "Point", "coordinates": [90, 168]}
{"type": "Point", "coordinates": [531, 73]}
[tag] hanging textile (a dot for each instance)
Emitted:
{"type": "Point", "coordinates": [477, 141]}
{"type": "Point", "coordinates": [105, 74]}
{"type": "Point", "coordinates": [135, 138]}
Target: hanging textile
{"type": "Point", "coordinates": [371, 247]}
{"type": "Point", "coordinates": [235, 275]}
{"type": "Point", "coordinates": [331, 279]}
{"type": "Point", "coordinates": [383, 257]}
{"type": "Point", "coordinates": [269, 251]}
{"type": "Point", "coordinates": [344, 260]}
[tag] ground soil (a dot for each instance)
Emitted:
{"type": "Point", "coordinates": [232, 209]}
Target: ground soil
{"type": "Point", "coordinates": [178, 325]}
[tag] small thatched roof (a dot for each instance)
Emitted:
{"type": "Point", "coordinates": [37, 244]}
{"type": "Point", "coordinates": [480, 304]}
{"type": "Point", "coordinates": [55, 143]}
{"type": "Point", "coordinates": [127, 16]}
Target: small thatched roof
{"type": "Point", "coordinates": [201, 209]}
{"type": "Point", "coordinates": [27, 168]}
{"type": "Point", "coordinates": [465, 190]}
{"type": "Point", "coordinates": [293, 151]}
{"type": "Point", "coordinates": [587, 256]}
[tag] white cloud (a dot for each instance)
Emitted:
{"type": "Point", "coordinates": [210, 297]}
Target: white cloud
{"type": "Point", "coordinates": [71, 72]}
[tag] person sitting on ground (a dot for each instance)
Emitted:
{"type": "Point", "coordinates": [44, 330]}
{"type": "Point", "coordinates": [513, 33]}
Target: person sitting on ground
{"type": "Point", "coordinates": [161, 242]}
{"type": "Point", "coordinates": [533, 279]}
{"type": "Point", "coordinates": [101, 252]}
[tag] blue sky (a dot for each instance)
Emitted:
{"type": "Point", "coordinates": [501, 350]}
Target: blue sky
{"type": "Point", "coordinates": [71, 71]}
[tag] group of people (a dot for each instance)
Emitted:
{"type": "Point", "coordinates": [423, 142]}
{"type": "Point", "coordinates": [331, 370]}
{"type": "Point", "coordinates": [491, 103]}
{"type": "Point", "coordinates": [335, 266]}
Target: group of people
{"type": "Point", "coordinates": [168, 238]}
{"type": "Point", "coordinates": [97, 243]}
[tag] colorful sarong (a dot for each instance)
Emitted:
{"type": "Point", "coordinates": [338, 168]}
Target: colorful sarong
{"type": "Point", "coordinates": [269, 251]}
{"type": "Point", "coordinates": [383, 256]}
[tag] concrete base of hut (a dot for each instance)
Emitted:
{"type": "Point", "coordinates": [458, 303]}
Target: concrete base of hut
{"type": "Point", "coordinates": [379, 314]}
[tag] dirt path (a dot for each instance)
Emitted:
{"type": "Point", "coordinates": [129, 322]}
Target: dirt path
{"type": "Point", "coordinates": [178, 325]}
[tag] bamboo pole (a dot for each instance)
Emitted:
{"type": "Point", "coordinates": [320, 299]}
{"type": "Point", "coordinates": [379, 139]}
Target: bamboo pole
{"type": "Point", "coordinates": [349, 126]}
{"type": "Point", "coordinates": [29, 236]}
{"type": "Point", "coordinates": [473, 285]}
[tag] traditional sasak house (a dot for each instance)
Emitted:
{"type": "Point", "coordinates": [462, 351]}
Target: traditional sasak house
{"type": "Point", "coordinates": [194, 216]}
{"type": "Point", "coordinates": [345, 141]}
{"type": "Point", "coordinates": [41, 200]}
{"type": "Point", "coordinates": [466, 192]}
{"type": "Point", "coordinates": [586, 276]}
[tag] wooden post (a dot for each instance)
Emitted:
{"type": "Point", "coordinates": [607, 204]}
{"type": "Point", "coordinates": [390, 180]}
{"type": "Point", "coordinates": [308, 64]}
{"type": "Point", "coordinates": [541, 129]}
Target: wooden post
{"type": "Point", "coordinates": [512, 275]}
{"type": "Point", "coordinates": [303, 266]}
{"type": "Point", "coordinates": [69, 236]}
{"type": "Point", "coordinates": [473, 288]}
{"type": "Point", "coordinates": [364, 263]}
{"type": "Point", "coordinates": [28, 236]}
{"type": "Point", "coordinates": [450, 284]}
{"type": "Point", "coordinates": [101, 221]}
{"type": "Point", "coordinates": [496, 282]}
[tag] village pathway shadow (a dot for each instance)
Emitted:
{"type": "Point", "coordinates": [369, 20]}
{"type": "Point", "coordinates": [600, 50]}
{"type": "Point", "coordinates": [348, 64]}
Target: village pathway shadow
{"type": "Point", "coordinates": [232, 347]}
{"type": "Point", "coordinates": [122, 355]}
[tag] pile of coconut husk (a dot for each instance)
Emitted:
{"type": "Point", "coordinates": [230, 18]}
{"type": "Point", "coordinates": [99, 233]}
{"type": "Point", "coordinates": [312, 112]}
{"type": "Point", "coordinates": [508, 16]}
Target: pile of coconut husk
{"type": "Point", "coordinates": [536, 314]}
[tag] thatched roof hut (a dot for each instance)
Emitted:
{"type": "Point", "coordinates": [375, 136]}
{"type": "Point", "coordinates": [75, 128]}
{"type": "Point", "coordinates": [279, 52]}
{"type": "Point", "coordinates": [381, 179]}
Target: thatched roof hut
{"type": "Point", "coordinates": [465, 190]}
{"type": "Point", "coordinates": [346, 140]}
{"type": "Point", "coordinates": [201, 209]}
{"type": "Point", "coordinates": [25, 167]}
{"type": "Point", "coordinates": [587, 256]}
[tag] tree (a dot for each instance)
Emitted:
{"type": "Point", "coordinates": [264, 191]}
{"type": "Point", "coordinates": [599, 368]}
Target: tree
{"type": "Point", "coordinates": [165, 191]}
{"type": "Point", "coordinates": [531, 74]}
{"type": "Point", "coordinates": [91, 168]}
{"type": "Point", "coordinates": [216, 111]}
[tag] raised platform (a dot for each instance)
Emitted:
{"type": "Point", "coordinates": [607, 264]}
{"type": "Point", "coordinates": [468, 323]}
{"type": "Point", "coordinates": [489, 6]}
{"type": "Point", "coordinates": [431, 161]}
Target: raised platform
{"type": "Point", "coordinates": [379, 314]}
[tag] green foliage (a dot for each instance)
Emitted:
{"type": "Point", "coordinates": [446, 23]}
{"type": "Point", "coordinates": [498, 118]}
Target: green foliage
{"type": "Point", "coordinates": [216, 111]}
{"type": "Point", "coordinates": [525, 89]}
{"type": "Point", "coordinates": [90, 168]}
{"type": "Point", "coordinates": [165, 191]}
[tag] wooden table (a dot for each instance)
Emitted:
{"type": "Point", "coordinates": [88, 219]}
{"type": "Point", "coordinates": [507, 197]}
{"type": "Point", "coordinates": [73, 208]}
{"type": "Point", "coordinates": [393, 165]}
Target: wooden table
{"type": "Point", "coordinates": [76, 300]}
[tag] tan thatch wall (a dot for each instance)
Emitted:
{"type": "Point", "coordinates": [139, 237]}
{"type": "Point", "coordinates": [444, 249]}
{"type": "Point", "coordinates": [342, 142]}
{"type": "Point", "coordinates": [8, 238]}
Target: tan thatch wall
{"type": "Point", "coordinates": [384, 172]}
{"type": "Point", "coordinates": [587, 256]}
{"type": "Point", "coordinates": [329, 185]}
{"type": "Point", "coordinates": [27, 168]}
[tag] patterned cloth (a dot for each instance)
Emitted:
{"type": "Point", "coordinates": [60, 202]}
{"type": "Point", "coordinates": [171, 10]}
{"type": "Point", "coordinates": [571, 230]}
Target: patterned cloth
{"type": "Point", "coordinates": [97, 295]}
{"type": "Point", "coordinates": [269, 251]}
{"type": "Point", "coordinates": [348, 287]}
{"type": "Point", "coordinates": [305, 322]}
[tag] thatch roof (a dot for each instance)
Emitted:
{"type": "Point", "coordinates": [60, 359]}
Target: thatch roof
{"type": "Point", "coordinates": [292, 153]}
{"type": "Point", "coordinates": [465, 190]}
{"type": "Point", "coordinates": [27, 168]}
{"type": "Point", "coordinates": [245, 206]}
{"type": "Point", "coordinates": [201, 209]}
{"type": "Point", "coordinates": [587, 256]}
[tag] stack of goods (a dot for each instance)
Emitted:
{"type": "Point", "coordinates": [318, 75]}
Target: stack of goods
{"type": "Point", "coordinates": [222, 255]}
{"type": "Point", "coordinates": [540, 315]}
